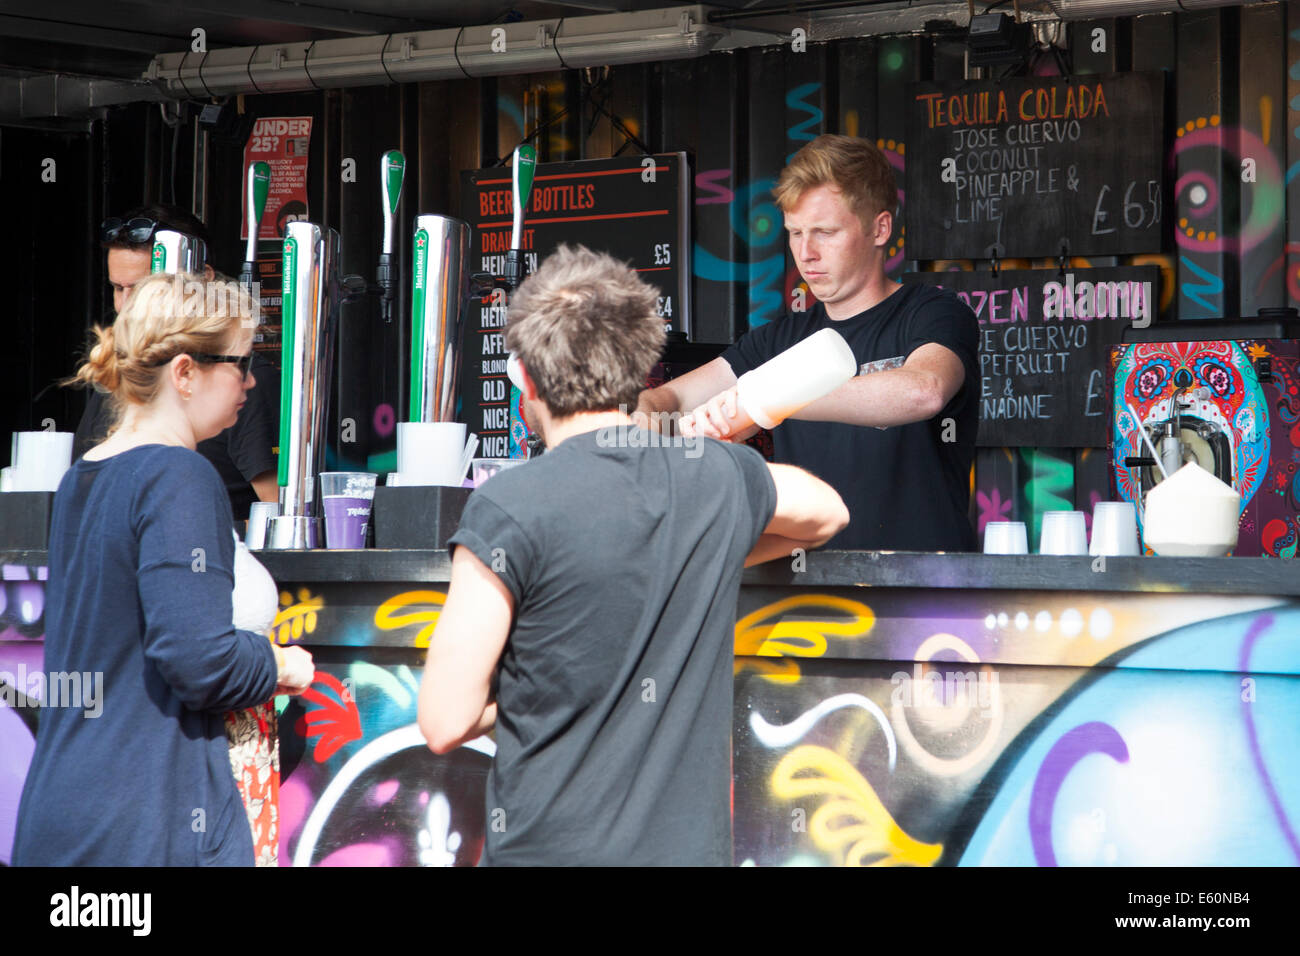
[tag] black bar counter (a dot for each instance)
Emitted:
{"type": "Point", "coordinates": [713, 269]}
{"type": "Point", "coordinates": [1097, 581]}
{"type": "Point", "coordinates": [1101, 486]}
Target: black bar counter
{"type": "Point", "coordinates": [893, 569]}
{"type": "Point", "coordinates": [889, 708]}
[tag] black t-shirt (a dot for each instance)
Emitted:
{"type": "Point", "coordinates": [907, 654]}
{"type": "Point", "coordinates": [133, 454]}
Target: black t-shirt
{"type": "Point", "coordinates": [907, 487]}
{"type": "Point", "coordinates": [614, 692]}
{"type": "Point", "coordinates": [240, 453]}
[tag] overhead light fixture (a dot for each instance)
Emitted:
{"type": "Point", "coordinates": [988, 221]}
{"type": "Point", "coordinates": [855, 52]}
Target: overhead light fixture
{"type": "Point", "coordinates": [533, 46]}
{"type": "Point", "coordinates": [1102, 9]}
{"type": "Point", "coordinates": [996, 38]}
{"type": "Point", "coordinates": [674, 33]}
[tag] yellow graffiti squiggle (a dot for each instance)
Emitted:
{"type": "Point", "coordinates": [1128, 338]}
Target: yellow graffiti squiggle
{"type": "Point", "coordinates": [852, 821]}
{"type": "Point", "coordinates": [387, 617]}
{"type": "Point", "coordinates": [786, 639]}
{"type": "Point", "coordinates": [297, 618]}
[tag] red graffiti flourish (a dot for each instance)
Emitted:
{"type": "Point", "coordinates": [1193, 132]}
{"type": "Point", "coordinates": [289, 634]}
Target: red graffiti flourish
{"type": "Point", "coordinates": [1283, 261]}
{"type": "Point", "coordinates": [335, 722]}
{"type": "Point", "coordinates": [1277, 535]}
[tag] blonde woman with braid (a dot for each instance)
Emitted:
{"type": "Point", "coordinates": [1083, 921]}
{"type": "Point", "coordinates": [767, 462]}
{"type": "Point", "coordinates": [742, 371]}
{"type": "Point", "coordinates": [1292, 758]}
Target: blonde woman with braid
{"type": "Point", "coordinates": [142, 568]}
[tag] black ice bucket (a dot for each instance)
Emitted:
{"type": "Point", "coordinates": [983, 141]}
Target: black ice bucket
{"type": "Point", "coordinates": [417, 517]}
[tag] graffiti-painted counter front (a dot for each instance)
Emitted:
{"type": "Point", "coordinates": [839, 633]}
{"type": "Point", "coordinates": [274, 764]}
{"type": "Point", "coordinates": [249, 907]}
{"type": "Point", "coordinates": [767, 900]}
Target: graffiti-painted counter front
{"type": "Point", "coordinates": [889, 708]}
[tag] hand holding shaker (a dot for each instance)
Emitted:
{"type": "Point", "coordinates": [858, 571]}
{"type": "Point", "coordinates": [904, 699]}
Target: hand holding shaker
{"type": "Point", "coordinates": [797, 377]}
{"type": "Point", "coordinates": [803, 373]}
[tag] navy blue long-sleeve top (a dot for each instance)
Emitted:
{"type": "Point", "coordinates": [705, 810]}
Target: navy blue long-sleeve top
{"type": "Point", "coordinates": [141, 575]}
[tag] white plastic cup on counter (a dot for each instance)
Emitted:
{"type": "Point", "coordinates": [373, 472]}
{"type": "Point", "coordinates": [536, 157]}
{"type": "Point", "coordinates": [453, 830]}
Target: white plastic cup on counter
{"type": "Point", "coordinates": [1114, 529]}
{"type": "Point", "coordinates": [1063, 532]}
{"type": "Point", "coordinates": [1006, 537]}
{"type": "Point", "coordinates": [433, 453]}
{"type": "Point", "coordinates": [39, 460]}
{"type": "Point", "coordinates": [260, 514]}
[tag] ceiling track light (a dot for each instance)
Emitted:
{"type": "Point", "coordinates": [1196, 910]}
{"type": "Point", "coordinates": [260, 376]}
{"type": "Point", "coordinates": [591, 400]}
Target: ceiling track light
{"type": "Point", "coordinates": [1103, 9]}
{"type": "Point", "coordinates": [533, 46]}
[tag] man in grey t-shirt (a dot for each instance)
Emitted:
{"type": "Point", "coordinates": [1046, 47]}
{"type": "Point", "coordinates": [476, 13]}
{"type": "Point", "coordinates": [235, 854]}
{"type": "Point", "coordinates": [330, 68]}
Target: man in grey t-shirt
{"type": "Point", "coordinates": [593, 595]}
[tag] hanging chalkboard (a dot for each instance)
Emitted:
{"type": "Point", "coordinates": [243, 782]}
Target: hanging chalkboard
{"type": "Point", "coordinates": [635, 208]}
{"type": "Point", "coordinates": [1044, 343]}
{"type": "Point", "coordinates": [1029, 167]}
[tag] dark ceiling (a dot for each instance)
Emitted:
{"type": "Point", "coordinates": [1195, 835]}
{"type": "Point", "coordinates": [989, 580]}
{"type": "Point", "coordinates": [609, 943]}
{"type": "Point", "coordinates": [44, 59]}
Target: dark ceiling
{"type": "Point", "coordinates": [118, 38]}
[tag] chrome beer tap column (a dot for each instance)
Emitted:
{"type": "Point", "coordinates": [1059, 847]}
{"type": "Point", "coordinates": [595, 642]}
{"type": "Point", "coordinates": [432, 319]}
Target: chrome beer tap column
{"type": "Point", "coordinates": [439, 287]}
{"type": "Point", "coordinates": [175, 252]}
{"type": "Point", "coordinates": [309, 319]}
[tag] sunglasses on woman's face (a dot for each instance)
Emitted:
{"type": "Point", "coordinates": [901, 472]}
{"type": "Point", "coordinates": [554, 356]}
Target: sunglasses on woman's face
{"type": "Point", "coordinates": [242, 362]}
{"type": "Point", "coordinates": [137, 230]}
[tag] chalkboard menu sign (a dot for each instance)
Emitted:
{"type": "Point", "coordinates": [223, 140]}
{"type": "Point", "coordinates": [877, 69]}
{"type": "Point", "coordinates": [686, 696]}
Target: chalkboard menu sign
{"type": "Point", "coordinates": [1044, 343]}
{"type": "Point", "coordinates": [1029, 166]}
{"type": "Point", "coordinates": [635, 208]}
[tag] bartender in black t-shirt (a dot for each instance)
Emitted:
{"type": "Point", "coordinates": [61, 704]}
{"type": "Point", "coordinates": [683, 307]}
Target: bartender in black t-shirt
{"type": "Point", "coordinates": [244, 454]}
{"type": "Point", "coordinates": [897, 442]}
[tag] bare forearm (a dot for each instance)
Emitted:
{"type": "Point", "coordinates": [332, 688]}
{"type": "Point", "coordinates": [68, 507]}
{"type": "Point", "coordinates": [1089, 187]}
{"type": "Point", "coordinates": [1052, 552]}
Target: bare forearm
{"type": "Point", "coordinates": [442, 730]}
{"type": "Point", "coordinates": [686, 392]}
{"type": "Point", "coordinates": [661, 399]}
{"type": "Point", "coordinates": [770, 547]}
{"type": "Point", "coordinates": [487, 720]}
{"type": "Point", "coordinates": [266, 486]}
{"type": "Point", "coordinates": [894, 397]}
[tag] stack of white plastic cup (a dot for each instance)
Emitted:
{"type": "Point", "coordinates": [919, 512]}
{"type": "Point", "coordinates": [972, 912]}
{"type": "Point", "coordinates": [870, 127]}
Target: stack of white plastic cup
{"type": "Point", "coordinates": [1064, 532]}
{"type": "Point", "coordinates": [1114, 529]}
{"type": "Point", "coordinates": [433, 453]}
{"type": "Point", "coordinates": [39, 460]}
{"type": "Point", "coordinates": [1006, 537]}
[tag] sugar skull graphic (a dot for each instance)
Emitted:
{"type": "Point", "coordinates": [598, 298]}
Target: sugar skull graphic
{"type": "Point", "coordinates": [1223, 411]}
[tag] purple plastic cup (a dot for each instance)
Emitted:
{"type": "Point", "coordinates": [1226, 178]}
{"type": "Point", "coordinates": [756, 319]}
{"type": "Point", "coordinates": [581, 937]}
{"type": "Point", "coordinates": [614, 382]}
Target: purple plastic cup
{"type": "Point", "coordinates": [346, 497]}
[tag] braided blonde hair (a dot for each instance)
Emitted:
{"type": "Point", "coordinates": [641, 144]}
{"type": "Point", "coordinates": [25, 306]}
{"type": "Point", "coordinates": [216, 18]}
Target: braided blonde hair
{"type": "Point", "coordinates": [166, 316]}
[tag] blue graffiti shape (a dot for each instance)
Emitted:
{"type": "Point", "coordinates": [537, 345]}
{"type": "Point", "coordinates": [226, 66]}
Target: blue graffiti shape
{"type": "Point", "coordinates": [754, 216]}
{"type": "Point", "coordinates": [509, 106]}
{"type": "Point", "coordinates": [808, 129]}
{"type": "Point", "coordinates": [764, 276]}
{"type": "Point", "coordinates": [1074, 745]}
{"type": "Point", "coordinates": [1213, 285]}
{"type": "Point", "coordinates": [756, 220]}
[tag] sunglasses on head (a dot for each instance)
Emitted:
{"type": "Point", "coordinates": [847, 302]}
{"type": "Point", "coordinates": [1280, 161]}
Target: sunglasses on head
{"type": "Point", "coordinates": [135, 230]}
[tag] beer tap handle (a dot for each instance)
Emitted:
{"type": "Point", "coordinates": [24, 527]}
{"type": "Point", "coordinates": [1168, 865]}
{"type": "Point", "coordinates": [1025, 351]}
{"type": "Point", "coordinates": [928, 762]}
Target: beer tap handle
{"type": "Point", "coordinates": [521, 188]}
{"type": "Point", "coordinates": [257, 187]}
{"type": "Point", "coordinates": [392, 171]}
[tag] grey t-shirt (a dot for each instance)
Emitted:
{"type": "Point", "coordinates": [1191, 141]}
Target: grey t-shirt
{"type": "Point", "coordinates": [614, 693]}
